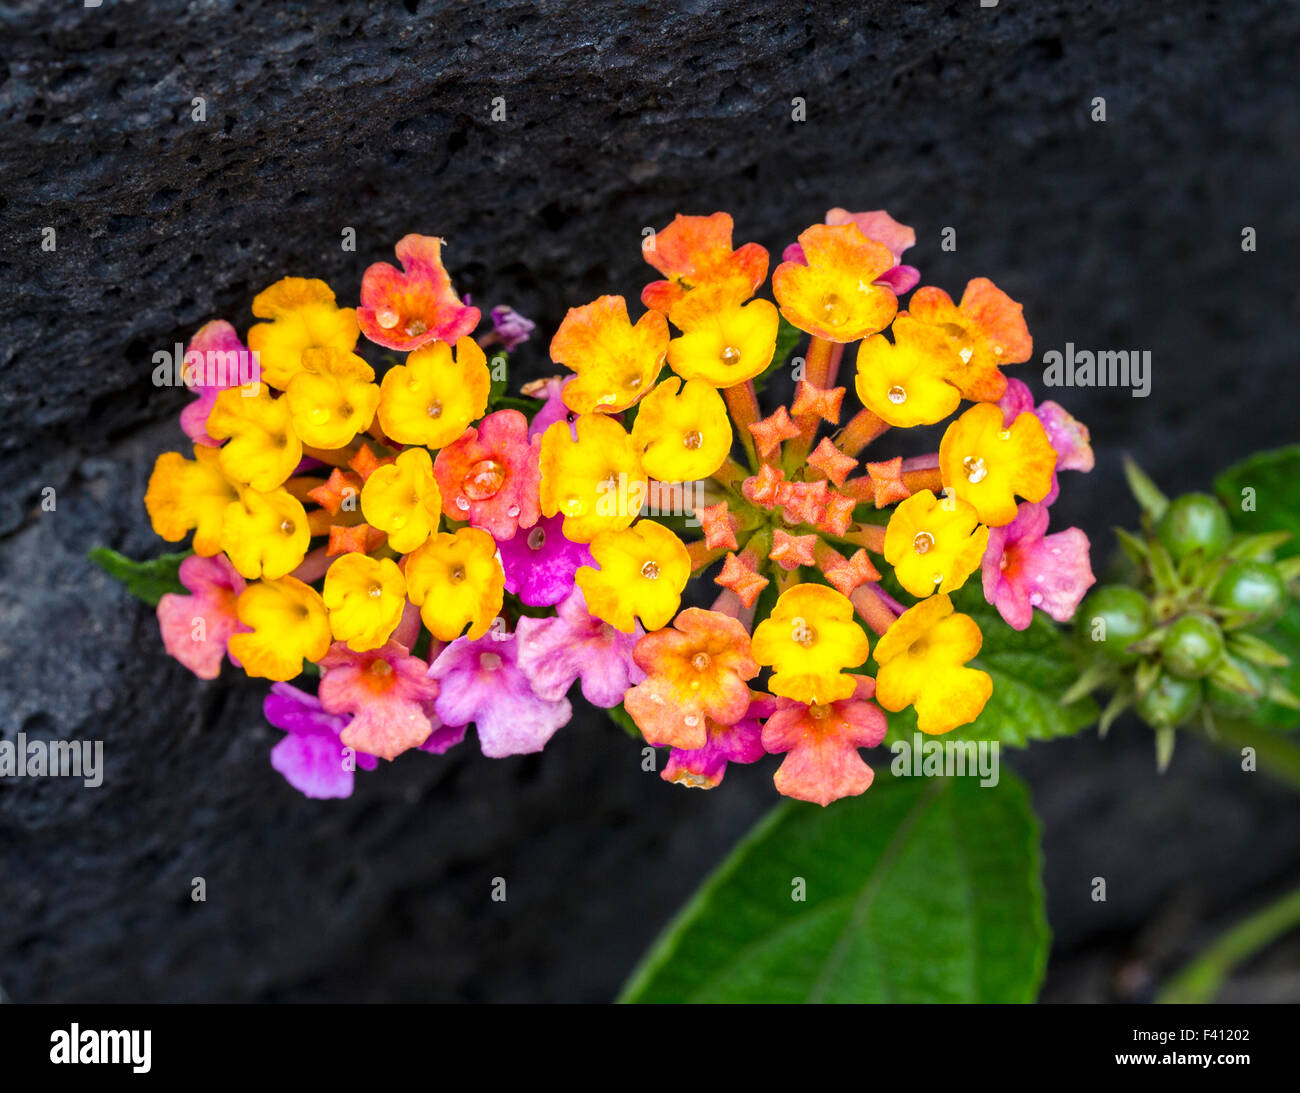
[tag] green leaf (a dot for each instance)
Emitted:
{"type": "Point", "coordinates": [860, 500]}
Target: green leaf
{"type": "Point", "coordinates": [499, 362]}
{"type": "Point", "coordinates": [148, 581]}
{"type": "Point", "coordinates": [787, 337]}
{"type": "Point", "coordinates": [920, 890]}
{"type": "Point", "coordinates": [1268, 484]}
{"type": "Point", "coordinates": [1031, 670]}
{"type": "Point", "coordinates": [1147, 493]}
{"type": "Point", "coordinates": [619, 715]}
{"type": "Point", "coordinates": [1274, 476]}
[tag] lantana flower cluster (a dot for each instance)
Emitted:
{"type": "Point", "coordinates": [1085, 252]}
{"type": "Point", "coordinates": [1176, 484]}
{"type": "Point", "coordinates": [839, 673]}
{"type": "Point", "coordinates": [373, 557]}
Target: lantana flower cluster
{"type": "Point", "coordinates": [439, 554]}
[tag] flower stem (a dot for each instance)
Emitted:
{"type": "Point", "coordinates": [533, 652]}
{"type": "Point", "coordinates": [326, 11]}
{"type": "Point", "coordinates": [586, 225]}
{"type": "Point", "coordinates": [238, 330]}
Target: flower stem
{"type": "Point", "coordinates": [861, 430]}
{"type": "Point", "coordinates": [868, 602]}
{"type": "Point", "coordinates": [1200, 980]}
{"type": "Point", "coordinates": [817, 371]}
{"type": "Point", "coordinates": [742, 404]}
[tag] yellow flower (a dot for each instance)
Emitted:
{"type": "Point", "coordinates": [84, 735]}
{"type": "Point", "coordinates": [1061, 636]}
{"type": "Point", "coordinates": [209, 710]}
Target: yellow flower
{"type": "Point", "coordinates": [263, 449]}
{"type": "Point", "coordinates": [289, 623]}
{"type": "Point", "coordinates": [643, 570]}
{"type": "Point", "coordinates": [266, 534]}
{"type": "Point", "coordinates": [190, 493]}
{"type": "Point", "coordinates": [809, 639]}
{"type": "Point", "coordinates": [431, 399]}
{"type": "Point", "coordinates": [933, 543]}
{"type": "Point", "coordinates": [333, 398]}
{"type": "Point", "coordinates": [834, 295]}
{"type": "Point", "coordinates": [402, 499]}
{"type": "Point", "coordinates": [922, 659]}
{"type": "Point", "coordinates": [905, 381]}
{"type": "Point", "coordinates": [724, 348]}
{"type": "Point", "coordinates": [596, 482]}
{"type": "Point", "coordinates": [615, 361]}
{"type": "Point", "coordinates": [303, 316]}
{"type": "Point", "coordinates": [987, 464]}
{"type": "Point", "coordinates": [682, 431]}
{"type": "Point", "coordinates": [365, 598]}
{"type": "Point", "coordinates": [456, 581]}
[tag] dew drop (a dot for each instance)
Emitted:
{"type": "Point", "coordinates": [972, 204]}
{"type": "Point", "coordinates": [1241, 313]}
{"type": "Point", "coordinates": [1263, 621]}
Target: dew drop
{"type": "Point", "coordinates": [484, 479]}
{"type": "Point", "coordinates": [922, 542]}
{"type": "Point", "coordinates": [1004, 434]}
{"type": "Point", "coordinates": [650, 571]}
{"type": "Point", "coordinates": [896, 395]}
{"type": "Point", "coordinates": [693, 440]}
{"type": "Point", "coordinates": [387, 318]}
{"type": "Point", "coordinates": [375, 590]}
{"type": "Point", "coordinates": [318, 415]}
{"type": "Point", "coordinates": [287, 527]}
{"type": "Point", "coordinates": [692, 720]}
{"type": "Point", "coordinates": [730, 355]}
{"type": "Point", "coordinates": [974, 469]}
{"type": "Point", "coordinates": [657, 698]}
{"type": "Point", "coordinates": [966, 352]}
{"type": "Point", "coordinates": [490, 661]}
{"type": "Point", "coordinates": [536, 539]}
{"type": "Point", "coordinates": [462, 503]}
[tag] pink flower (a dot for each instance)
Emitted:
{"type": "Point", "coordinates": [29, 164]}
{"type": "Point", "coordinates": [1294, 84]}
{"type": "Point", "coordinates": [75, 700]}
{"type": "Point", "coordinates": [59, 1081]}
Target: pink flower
{"type": "Point", "coordinates": [1068, 436]}
{"type": "Point", "coordinates": [1024, 568]}
{"type": "Point", "coordinates": [195, 628]}
{"type": "Point", "coordinates": [481, 682]}
{"type": "Point", "coordinates": [553, 407]}
{"type": "Point", "coordinates": [389, 693]}
{"type": "Point", "coordinates": [539, 563]}
{"type": "Point", "coordinates": [823, 763]}
{"type": "Point", "coordinates": [553, 652]}
{"type": "Point", "coordinates": [884, 229]}
{"type": "Point", "coordinates": [311, 757]}
{"type": "Point", "coordinates": [704, 768]}
{"type": "Point", "coordinates": [405, 310]}
{"type": "Point", "coordinates": [215, 360]}
{"type": "Point", "coordinates": [511, 327]}
{"type": "Point", "coordinates": [490, 476]}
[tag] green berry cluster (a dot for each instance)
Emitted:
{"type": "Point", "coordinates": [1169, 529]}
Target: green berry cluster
{"type": "Point", "coordinates": [1180, 639]}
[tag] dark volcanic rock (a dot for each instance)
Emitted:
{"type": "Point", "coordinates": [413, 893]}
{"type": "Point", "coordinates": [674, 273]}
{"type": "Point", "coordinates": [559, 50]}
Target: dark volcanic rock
{"type": "Point", "coordinates": [377, 116]}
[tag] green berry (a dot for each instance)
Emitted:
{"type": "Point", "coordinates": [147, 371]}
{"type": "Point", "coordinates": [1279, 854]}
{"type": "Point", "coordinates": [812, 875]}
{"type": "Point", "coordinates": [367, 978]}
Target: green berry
{"type": "Point", "coordinates": [1195, 521]}
{"type": "Point", "coordinates": [1254, 588]}
{"type": "Point", "coordinates": [1232, 703]}
{"type": "Point", "coordinates": [1169, 701]}
{"type": "Point", "coordinates": [1111, 619]}
{"type": "Point", "coordinates": [1191, 647]}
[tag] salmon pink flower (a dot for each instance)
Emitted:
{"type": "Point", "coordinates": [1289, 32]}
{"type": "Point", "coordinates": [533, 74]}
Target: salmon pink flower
{"type": "Point", "coordinates": [986, 330]}
{"type": "Point", "coordinates": [406, 310]}
{"type": "Point", "coordinates": [821, 743]}
{"type": "Point", "coordinates": [312, 758]}
{"type": "Point", "coordinates": [490, 475]}
{"type": "Point", "coordinates": [699, 667]}
{"type": "Point", "coordinates": [574, 644]}
{"type": "Point", "coordinates": [386, 690]}
{"type": "Point", "coordinates": [540, 562]}
{"type": "Point", "coordinates": [694, 253]}
{"type": "Point", "coordinates": [195, 628]}
{"type": "Point", "coordinates": [481, 681]}
{"type": "Point", "coordinates": [1025, 568]}
{"type": "Point", "coordinates": [704, 768]}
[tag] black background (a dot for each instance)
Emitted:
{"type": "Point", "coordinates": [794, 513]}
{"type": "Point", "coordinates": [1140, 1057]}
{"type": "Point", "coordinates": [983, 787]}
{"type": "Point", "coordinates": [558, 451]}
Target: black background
{"type": "Point", "coordinates": [1122, 234]}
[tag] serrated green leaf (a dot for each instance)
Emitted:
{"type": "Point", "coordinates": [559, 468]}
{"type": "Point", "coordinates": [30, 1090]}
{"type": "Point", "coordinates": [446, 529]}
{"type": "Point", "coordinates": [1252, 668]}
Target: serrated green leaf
{"type": "Point", "coordinates": [147, 581]}
{"type": "Point", "coordinates": [920, 890]}
{"type": "Point", "coordinates": [1031, 669]}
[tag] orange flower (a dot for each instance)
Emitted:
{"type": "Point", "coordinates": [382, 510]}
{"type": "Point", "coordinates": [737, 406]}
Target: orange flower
{"type": "Point", "coordinates": [405, 310]}
{"type": "Point", "coordinates": [694, 253]}
{"type": "Point", "coordinates": [698, 668]}
{"type": "Point", "coordinates": [986, 329]}
{"type": "Point", "coordinates": [833, 296]}
{"type": "Point", "coordinates": [615, 361]}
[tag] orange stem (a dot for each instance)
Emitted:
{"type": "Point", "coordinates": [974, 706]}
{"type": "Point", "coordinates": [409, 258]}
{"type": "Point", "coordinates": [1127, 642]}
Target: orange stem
{"type": "Point", "coordinates": [817, 371]}
{"type": "Point", "coordinates": [861, 430]}
{"type": "Point", "coordinates": [871, 536]}
{"type": "Point", "coordinates": [742, 404]}
{"type": "Point", "coordinates": [874, 611]}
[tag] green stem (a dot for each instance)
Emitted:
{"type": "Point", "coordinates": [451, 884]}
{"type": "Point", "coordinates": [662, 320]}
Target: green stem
{"type": "Point", "coordinates": [1275, 755]}
{"type": "Point", "coordinates": [1200, 980]}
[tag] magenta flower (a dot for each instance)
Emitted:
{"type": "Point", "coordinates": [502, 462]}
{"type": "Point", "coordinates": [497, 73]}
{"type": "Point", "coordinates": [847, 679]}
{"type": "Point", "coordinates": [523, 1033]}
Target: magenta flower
{"type": "Point", "coordinates": [704, 768]}
{"type": "Point", "coordinates": [196, 628]}
{"type": "Point", "coordinates": [884, 229]}
{"type": "Point", "coordinates": [481, 681]}
{"type": "Point", "coordinates": [511, 327]}
{"type": "Point", "coordinates": [553, 408]}
{"type": "Point", "coordinates": [553, 652]}
{"type": "Point", "coordinates": [1024, 568]}
{"type": "Point", "coordinates": [312, 758]}
{"type": "Point", "coordinates": [215, 360]}
{"type": "Point", "coordinates": [387, 691]}
{"type": "Point", "coordinates": [1067, 435]}
{"type": "Point", "coordinates": [539, 562]}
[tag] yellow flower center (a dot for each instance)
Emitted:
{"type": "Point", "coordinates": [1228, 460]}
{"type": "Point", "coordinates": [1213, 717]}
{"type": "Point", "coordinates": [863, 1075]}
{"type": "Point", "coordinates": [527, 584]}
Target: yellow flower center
{"type": "Point", "coordinates": [700, 661]}
{"type": "Point", "coordinates": [896, 395]}
{"type": "Point", "coordinates": [435, 408]}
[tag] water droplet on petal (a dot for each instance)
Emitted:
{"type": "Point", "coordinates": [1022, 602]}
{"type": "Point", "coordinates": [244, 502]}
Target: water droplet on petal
{"type": "Point", "coordinates": [1035, 598]}
{"type": "Point", "coordinates": [974, 468]}
{"type": "Point", "coordinates": [966, 352]}
{"type": "Point", "coordinates": [536, 539]}
{"type": "Point", "coordinates": [512, 510]}
{"type": "Point", "coordinates": [484, 479]}
{"type": "Point", "coordinates": [318, 415]}
{"type": "Point", "coordinates": [701, 661]}
{"type": "Point", "coordinates": [693, 440]}
{"type": "Point", "coordinates": [462, 503]}
{"type": "Point", "coordinates": [1004, 434]}
{"type": "Point", "coordinates": [287, 527]}
{"type": "Point", "coordinates": [730, 355]}
{"type": "Point", "coordinates": [692, 720]}
{"type": "Point", "coordinates": [387, 317]}
{"type": "Point", "coordinates": [922, 542]}
{"type": "Point", "coordinates": [896, 395]}
{"type": "Point", "coordinates": [416, 327]}
{"type": "Point", "coordinates": [375, 590]}
{"type": "Point", "coordinates": [650, 571]}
